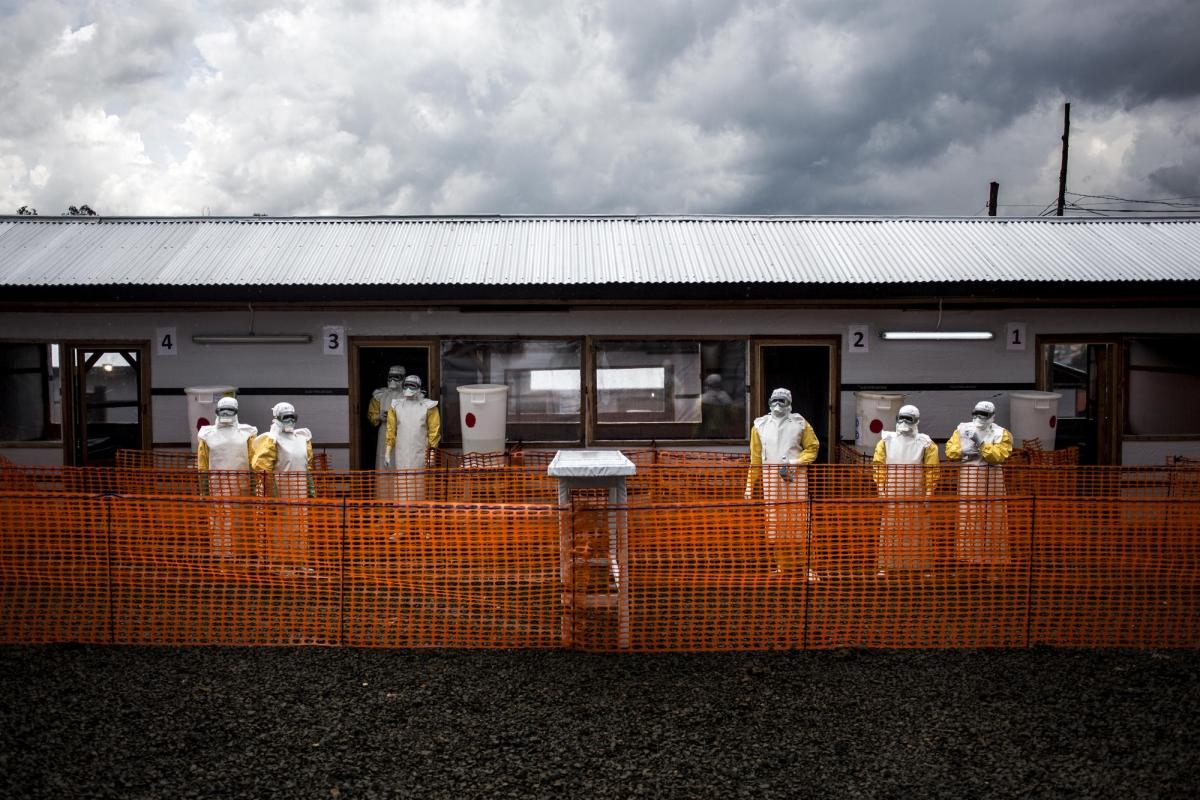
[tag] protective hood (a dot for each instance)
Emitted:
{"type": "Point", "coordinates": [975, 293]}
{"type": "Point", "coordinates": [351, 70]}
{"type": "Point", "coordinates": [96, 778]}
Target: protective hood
{"type": "Point", "coordinates": [225, 418]}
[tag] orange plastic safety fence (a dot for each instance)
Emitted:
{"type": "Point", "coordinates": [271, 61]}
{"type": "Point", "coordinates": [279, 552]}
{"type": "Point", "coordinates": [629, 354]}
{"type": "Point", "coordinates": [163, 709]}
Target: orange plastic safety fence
{"type": "Point", "coordinates": [816, 557]}
{"type": "Point", "coordinates": [181, 459]}
{"type": "Point", "coordinates": [239, 571]}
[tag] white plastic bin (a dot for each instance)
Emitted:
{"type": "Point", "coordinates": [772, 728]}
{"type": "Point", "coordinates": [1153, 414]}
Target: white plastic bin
{"type": "Point", "coordinates": [482, 411]}
{"type": "Point", "coordinates": [202, 407]}
{"type": "Point", "coordinates": [1033, 415]}
{"type": "Point", "coordinates": [875, 413]}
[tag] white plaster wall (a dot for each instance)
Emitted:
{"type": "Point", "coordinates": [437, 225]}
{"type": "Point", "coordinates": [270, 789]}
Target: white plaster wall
{"type": "Point", "coordinates": [328, 416]}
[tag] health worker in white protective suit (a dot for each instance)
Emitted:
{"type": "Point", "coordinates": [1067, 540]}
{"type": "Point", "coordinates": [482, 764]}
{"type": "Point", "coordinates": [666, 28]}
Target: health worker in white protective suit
{"type": "Point", "coordinates": [906, 471]}
{"type": "Point", "coordinates": [982, 446]}
{"type": "Point", "coordinates": [414, 426]}
{"type": "Point", "coordinates": [223, 459]}
{"type": "Point", "coordinates": [283, 457]}
{"type": "Point", "coordinates": [781, 445]}
{"type": "Point", "coordinates": [381, 401]}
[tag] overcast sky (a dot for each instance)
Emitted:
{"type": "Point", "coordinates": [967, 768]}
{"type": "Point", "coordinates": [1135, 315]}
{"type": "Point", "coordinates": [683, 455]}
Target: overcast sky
{"type": "Point", "coordinates": [180, 107]}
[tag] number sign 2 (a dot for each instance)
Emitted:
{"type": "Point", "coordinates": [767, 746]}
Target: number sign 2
{"type": "Point", "coordinates": [333, 340]}
{"type": "Point", "coordinates": [859, 339]}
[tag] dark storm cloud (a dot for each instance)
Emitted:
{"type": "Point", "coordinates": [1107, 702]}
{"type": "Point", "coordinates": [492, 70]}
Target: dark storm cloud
{"type": "Point", "coordinates": [518, 106]}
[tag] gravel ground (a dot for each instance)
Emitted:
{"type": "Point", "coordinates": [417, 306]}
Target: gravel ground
{"type": "Point", "coordinates": [130, 722]}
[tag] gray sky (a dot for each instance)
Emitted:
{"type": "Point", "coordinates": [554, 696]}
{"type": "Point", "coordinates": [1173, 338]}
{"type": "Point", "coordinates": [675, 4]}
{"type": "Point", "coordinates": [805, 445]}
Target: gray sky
{"type": "Point", "coordinates": [570, 106]}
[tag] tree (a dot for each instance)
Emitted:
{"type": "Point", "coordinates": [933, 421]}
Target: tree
{"type": "Point", "coordinates": [26, 211]}
{"type": "Point", "coordinates": [81, 211]}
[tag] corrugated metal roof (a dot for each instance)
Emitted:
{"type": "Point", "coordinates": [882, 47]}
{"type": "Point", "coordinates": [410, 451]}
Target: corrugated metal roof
{"type": "Point", "coordinates": [425, 251]}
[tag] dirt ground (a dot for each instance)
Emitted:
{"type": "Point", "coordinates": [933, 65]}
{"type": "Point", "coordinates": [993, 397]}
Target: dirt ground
{"type": "Point", "coordinates": [133, 722]}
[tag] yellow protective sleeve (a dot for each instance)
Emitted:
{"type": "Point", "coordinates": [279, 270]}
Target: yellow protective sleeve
{"type": "Point", "coordinates": [755, 458]}
{"type": "Point", "coordinates": [263, 454]}
{"type": "Point", "coordinates": [390, 436]}
{"type": "Point", "coordinates": [433, 425]}
{"type": "Point", "coordinates": [998, 452]}
{"type": "Point", "coordinates": [202, 457]}
{"type": "Point", "coordinates": [373, 411]}
{"type": "Point", "coordinates": [250, 449]}
{"type": "Point", "coordinates": [931, 467]}
{"type": "Point", "coordinates": [879, 459]}
{"type": "Point", "coordinates": [954, 447]}
{"type": "Point", "coordinates": [809, 446]}
{"type": "Point", "coordinates": [308, 469]}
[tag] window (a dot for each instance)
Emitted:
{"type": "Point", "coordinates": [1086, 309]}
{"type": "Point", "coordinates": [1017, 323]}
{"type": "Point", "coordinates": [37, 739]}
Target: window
{"type": "Point", "coordinates": [543, 379]}
{"type": "Point", "coordinates": [670, 389]}
{"type": "Point", "coordinates": [1070, 376]}
{"type": "Point", "coordinates": [30, 393]}
{"type": "Point", "coordinates": [1164, 384]}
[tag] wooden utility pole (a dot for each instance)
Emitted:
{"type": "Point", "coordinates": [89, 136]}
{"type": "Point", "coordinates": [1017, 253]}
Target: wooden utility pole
{"type": "Point", "coordinates": [993, 196]}
{"type": "Point", "coordinates": [1062, 174]}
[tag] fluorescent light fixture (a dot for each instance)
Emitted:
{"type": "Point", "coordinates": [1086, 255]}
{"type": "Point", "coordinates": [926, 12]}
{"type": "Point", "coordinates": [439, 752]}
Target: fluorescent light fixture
{"type": "Point", "coordinates": [929, 336]}
{"type": "Point", "coordinates": [252, 338]}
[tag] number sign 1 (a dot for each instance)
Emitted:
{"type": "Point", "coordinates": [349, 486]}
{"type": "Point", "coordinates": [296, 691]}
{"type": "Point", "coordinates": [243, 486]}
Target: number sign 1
{"type": "Point", "coordinates": [1014, 335]}
{"type": "Point", "coordinates": [859, 339]}
{"type": "Point", "coordinates": [333, 340]}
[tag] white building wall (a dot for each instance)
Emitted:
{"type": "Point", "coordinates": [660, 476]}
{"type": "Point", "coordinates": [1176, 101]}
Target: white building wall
{"type": "Point", "coordinates": [886, 363]}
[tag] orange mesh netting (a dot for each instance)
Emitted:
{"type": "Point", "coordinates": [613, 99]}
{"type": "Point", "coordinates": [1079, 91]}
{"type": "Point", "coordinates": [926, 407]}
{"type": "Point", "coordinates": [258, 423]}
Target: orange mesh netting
{"type": "Point", "coordinates": [825, 556]}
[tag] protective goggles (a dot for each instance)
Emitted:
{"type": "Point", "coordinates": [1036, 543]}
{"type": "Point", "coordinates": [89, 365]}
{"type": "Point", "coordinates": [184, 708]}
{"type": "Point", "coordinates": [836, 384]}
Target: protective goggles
{"type": "Point", "coordinates": [778, 401]}
{"type": "Point", "coordinates": [409, 386]}
{"type": "Point", "coordinates": [288, 418]}
{"type": "Point", "coordinates": [226, 412]}
{"type": "Point", "coordinates": [980, 415]}
{"type": "Point", "coordinates": [909, 418]}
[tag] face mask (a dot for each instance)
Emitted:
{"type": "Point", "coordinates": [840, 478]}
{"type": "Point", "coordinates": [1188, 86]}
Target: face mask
{"type": "Point", "coordinates": [410, 390]}
{"type": "Point", "coordinates": [226, 418]}
{"type": "Point", "coordinates": [393, 383]}
{"type": "Point", "coordinates": [288, 423]}
{"type": "Point", "coordinates": [981, 421]}
{"type": "Point", "coordinates": [779, 408]}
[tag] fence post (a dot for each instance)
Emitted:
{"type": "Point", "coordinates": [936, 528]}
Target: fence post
{"type": "Point", "coordinates": [1029, 571]}
{"type": "Point", "coordinates": [107, 499]}
{"type": "Point", "coordinates": [807, 566]}
{"type": "Point", "coordinates": [342, 578]}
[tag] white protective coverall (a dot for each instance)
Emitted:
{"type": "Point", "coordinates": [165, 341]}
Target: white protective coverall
{"type": "Point", "coordinates": [381, 401]}
{"type": "Point", "coordinates": [414, 425]}
{"type": "Point", "coordinates": [781, 444]}
{"type": "Point", "coordinates": [283, 455]}
{"type": "Point", "coordinates": [905, 467]}
{"type": "Point", "coordinates": [982, 526]}
{"type": "Point", "coordinates": [223, 459]}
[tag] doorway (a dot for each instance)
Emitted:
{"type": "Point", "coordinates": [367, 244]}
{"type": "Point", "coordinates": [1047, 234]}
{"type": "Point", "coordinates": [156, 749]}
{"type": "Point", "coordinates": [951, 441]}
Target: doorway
{"type": "Point", "coordinates": [369, 363]}
{"type": "Point", "coordinates": [107, 401]}
{"type": "Point", "coordinates": [809, 369]}
{"type": "Point", "coordinates": [1084, 370]}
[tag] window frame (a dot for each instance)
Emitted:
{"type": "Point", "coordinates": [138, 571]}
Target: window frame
{"type": "Point", "coordinates": [593, 424]}
{"type": "Point", "coordinates": [580, 441]}
{"type": "Point", "coordinates": [60, 428]}
{"type": "Point", "coordinates": [1126, 368]}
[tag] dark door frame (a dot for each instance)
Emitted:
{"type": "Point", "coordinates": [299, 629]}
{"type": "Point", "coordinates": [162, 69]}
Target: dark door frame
{"type": "Point", "coordinates": [74, 389]}
{"type": "Point", "coordinates": [1111, 394]}
{"type": "Point", "coordinates": [433, 380]}
{"type": "Point", "coordinates": [758, 391]}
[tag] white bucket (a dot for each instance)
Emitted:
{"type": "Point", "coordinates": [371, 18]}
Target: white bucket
{"type": "Point", "coordinates": [482, 412]}
{"type": "Point", "coordinates": [202, 407]}
{"type": "Point", "coordinates": [875, 413]}
{"type": "Point", "coordinates": [1033, 415]}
